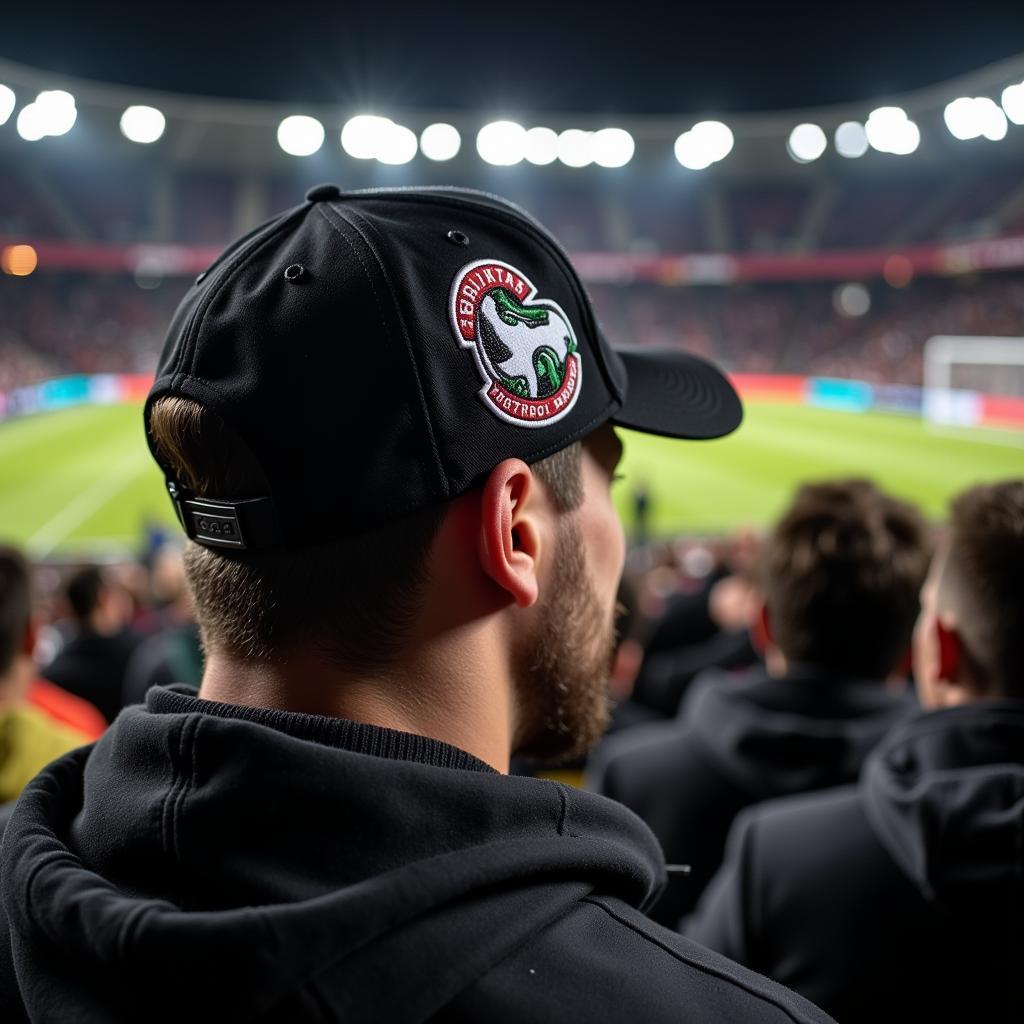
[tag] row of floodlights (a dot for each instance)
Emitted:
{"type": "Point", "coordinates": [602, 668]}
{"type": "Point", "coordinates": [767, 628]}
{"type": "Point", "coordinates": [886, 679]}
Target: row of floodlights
{"type": "Point", "coordinates": [506, 143]}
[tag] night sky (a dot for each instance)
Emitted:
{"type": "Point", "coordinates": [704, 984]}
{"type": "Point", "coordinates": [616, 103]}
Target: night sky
{"type": "Point", "coordinates": [504, 57]}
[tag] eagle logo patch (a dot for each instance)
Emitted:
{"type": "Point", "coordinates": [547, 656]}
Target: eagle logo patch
{"type": "Point", "coordinates": [525, 348]}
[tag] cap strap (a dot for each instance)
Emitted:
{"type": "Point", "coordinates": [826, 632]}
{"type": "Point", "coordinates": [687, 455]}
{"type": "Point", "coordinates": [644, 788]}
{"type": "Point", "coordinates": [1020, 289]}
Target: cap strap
{"type": "Point", "coordinates": [241, 525]}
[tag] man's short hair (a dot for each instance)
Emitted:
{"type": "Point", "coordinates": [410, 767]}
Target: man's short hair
{"type": "Point", "coordinates": [843, 569]}
{"type": "Point", "coordinates": [15, 604]}
{"type": "Point", "coordinates": [983, 582]}
{"type": "Point", "coordinates": [353, 601]}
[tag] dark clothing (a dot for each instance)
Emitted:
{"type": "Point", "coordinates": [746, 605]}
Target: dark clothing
{"type": "Point", "coordinates": [901, 898]}
{"type": "Point", "coordinates": [171, 655]}
{"type": "Point", "coordinates": [738, 742]}
{"type": "Point", "coordinates": [93, 667]}
{"type": "Point", "coordinates": [215, 862]}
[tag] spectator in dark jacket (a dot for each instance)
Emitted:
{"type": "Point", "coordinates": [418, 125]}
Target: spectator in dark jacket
{"type": "Point", "coordinates": [400, 582]}
{"type": "Point", "coordinates": [903, 898]}
{"type": "Point", "coordinates": [841, 575]}
{"type": "Point", "coordinates": [93, 662]}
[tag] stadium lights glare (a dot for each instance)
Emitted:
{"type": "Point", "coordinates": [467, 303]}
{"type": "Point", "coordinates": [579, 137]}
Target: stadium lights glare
{"type": "Point", "coordinates": [367, 137]}
{"type": "Point", "coordinates": [576, 147]}
{"type": "Point", "coordinates": [300, 135]}
{"type": "Point", "coordinates": [501, 143]}
{"type": "Point", "coordinates": [51, 113]}
{"type": "Point", "coordinates": [7, 102]}
{"type": "Point", "coordinates": [542, 146]}
{"type": "Point", "coordinates": [851, 140]}
{"type": "Point", "coordinates": [704, 144]}
{"type": "Point", "coordinates": [397, 145]}
{"type": "Point", "coordinates": [613, 147]}
{"type": "Point", "coordinates": [142, 124]}
{"type": "Point", "coordinates": [1012, 100]}
{"type": "Point", "coordinates": [806, 143]}
{"type": "Point", "coordinates": [975, 117]}
{"type": "Point", "coordinates": [440, 141]}
{"type": "Point", "coordinates": [889, 130]}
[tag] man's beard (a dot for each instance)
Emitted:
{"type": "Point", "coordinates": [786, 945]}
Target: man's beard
{"type": "Point", "coordinates": [561, 672]}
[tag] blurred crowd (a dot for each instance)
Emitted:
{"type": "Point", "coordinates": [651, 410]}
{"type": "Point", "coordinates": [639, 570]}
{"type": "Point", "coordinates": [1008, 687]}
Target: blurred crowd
{"type": "Point", "coordinates": [55, 325]}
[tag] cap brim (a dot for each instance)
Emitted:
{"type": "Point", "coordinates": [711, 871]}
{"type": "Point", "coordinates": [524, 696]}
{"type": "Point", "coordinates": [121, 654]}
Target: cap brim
{"type": "Point", "coordinates": [676, 394]}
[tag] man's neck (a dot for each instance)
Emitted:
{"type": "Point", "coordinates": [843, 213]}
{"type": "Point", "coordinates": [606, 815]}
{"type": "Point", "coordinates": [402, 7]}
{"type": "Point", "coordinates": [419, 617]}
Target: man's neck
{"type": "Point", "coordinates": [458, 699]}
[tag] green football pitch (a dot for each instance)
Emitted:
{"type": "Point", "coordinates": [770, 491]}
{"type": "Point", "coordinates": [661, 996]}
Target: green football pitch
{"type": "Point", "coordinates": [81, 481]}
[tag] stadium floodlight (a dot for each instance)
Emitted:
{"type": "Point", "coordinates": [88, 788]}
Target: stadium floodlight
{"type": "Point", "coordinates": [576, 147]}
{"type": "Point", "coordinates": [7, 102]}
{"type": "Point", "coordinates": [397, 144]}
{"type": "Point", "coordinates": [501, 143]}
{"type": "Point", "coordinates": [889, 130]}
{"type": "Point", "coordinates": [542, 146]}
{"type": "Point", "coordinates": [613, 147]}
{"type": "Point", "coordinates": [806, 143]}
{"type": "Point", "coordinates": [52, 112]}
{"type": "Point", "coordinates": [300, 135]}
{"type": "Point", "coordinates": [361, 135]}
{"type": "Point", "coordinates": [142, 124]}
{"type": "Point", "coordinates": [1012, 100]}
{"type": "Point", "coordinates": [440, 141]}
{"type": "Point", "coordinates": [851, 140]}
{"type": "Point", "coordinates": [704, 144]}
{"type": "Point", "coordinates": [975, 117]}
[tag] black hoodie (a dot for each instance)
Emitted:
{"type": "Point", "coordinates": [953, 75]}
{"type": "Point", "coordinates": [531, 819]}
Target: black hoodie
{"type": "Point", "coordinates": [210, 862]}
{"type": "Point", "coordinates": [738, 741]}
{"type": "Point", "coordinates": [901, 898]}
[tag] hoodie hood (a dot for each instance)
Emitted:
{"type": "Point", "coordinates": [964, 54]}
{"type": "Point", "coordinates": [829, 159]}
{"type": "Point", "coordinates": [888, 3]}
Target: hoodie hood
{"type": "Point", "coordinates": [807, 730]}
{"type": "Point", "coordinates": [246, 864]}
{"type": "Point", "coordinates": [945, 796]}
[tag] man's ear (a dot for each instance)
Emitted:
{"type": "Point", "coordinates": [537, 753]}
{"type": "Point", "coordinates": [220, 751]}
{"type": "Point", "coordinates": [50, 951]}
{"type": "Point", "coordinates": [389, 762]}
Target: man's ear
{"type": "Point", "coordinates": [510, 534]}
{"type": "Point", "coordinates": [949, 651]}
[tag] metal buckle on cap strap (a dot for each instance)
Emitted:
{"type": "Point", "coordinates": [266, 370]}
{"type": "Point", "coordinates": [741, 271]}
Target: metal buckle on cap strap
{"type": "Point", "coordinates": [240, 525]}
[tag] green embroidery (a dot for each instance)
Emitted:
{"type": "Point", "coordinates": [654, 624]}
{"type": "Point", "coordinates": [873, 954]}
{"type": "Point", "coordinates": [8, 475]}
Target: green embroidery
{"type": "Point", "coordinates": [513, 312]}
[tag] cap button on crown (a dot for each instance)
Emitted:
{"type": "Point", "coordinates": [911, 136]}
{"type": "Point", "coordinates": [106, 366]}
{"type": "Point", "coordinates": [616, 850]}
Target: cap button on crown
{"type": "Point", "coordinates": [321, 193]}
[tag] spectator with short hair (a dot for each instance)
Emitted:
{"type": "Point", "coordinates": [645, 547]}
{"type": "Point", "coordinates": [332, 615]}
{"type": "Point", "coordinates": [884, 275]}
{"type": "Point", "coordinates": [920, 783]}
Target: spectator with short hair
{"type": "Point", "coordinates": [841, 575]}
{"type": "Point", "coordinates": [385, 419]}
{"type": "Point", "coordinates": [93, 662]}
{"type": "Point", "coordinates": [29, 737]}
{"type": "Point", "coordinates": [902, 898]}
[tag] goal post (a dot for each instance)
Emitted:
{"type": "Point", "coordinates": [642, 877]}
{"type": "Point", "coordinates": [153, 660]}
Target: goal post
{"type": "Point", "coordinates": [959, 371]}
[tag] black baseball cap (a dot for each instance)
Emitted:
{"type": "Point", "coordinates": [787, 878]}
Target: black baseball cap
{"type": "Point", "coordinates": [382, 350]}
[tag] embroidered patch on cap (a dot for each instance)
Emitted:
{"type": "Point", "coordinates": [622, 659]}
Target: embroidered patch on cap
{"type": "Point", "coordinates": [525, 348]}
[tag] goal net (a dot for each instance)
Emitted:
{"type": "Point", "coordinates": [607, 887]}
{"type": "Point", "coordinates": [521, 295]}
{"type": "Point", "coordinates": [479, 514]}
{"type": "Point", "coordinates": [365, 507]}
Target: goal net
{"type": "Point", "coordinates": [959, 371]}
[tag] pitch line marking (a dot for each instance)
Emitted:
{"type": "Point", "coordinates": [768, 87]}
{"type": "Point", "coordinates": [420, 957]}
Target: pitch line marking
{"type": "Point", "coordinates": [103, 490]}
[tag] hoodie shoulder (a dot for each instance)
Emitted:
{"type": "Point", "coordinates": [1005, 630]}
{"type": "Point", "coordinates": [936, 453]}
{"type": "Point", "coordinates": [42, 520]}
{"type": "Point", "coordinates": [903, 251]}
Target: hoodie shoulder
{"type": "Point", "coordinates": [609, 962]}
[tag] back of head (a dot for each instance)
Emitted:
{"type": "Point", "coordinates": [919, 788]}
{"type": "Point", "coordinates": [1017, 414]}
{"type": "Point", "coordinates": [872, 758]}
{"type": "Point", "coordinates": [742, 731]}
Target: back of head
{"type": "Point", "coordinates": [15, 605]}
{"type": "Point", "coordinates": [842, 573]}
{"type": "Point", "coordinates": [83, 590]}
{"type": "Point", "coordinates": [982, 583]}
{"type": "Point", "coordinates": [353, 600]}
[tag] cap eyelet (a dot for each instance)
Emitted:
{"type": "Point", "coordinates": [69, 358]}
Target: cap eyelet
{"type": "Point", "coordinates": [199, 277]}
{"type": "Point", "coordinates": [458, 237]}
{"type": "Point", "coordinates": [294, 272]}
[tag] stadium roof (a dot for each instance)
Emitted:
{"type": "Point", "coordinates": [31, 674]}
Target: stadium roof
{"type": "Point", "coordinates": [601, 59]}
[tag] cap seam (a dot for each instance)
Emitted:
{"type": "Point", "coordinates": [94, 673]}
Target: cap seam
{"type": "Point", "coordinates": [322, 209]}
{"type": "Point", "coordinates": [439, 468]}
{"type": "Point", "coordinates": [190, 348]}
